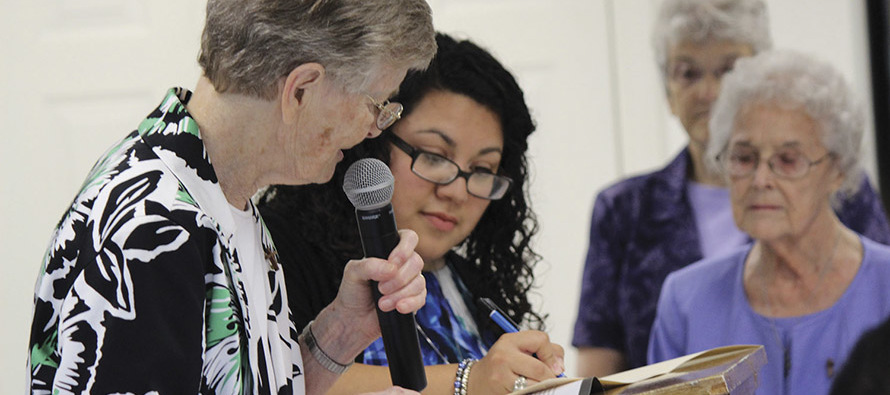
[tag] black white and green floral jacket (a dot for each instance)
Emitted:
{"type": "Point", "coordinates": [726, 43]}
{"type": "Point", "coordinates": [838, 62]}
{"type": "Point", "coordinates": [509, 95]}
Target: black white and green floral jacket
{"type": "Point", "coordinates": [140, 291]}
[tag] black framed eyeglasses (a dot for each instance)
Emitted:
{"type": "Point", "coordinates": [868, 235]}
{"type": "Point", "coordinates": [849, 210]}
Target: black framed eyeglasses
{"type": "Point", "coordinates": [389, 112]}
{"type": "Point", "coordinates": [440, 170]}
{"type": "Point", "coordinates": [787, 163]}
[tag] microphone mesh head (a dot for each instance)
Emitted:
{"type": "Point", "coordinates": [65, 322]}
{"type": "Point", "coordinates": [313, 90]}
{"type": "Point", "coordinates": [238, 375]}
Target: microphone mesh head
{"type": "Point", "coordinates": [368, 184]}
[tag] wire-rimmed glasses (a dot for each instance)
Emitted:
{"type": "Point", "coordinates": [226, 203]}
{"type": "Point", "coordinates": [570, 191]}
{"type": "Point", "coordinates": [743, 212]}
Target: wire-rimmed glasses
{"type": "Point", "coordinates": [389, 112]}
{"type": "Point", "coordinates": [788, 163]}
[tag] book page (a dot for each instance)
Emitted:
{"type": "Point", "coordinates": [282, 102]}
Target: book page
{"type": "Point", "coordinates": [553, 387]}
{"type": "Point", "coordinates": [572, 386]}
{"type": "Point", "coordinates": [563, 386]}
{"type": "Point", "coordinates": [645, 372]}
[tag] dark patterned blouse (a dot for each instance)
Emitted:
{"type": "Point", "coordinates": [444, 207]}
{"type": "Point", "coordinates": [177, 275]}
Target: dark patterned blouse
{"type": "Point", "coordinates": [444, 336]}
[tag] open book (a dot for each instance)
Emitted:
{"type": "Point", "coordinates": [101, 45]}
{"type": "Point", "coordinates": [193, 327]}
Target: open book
{"type": "Point", "coordinates": [716, 371]}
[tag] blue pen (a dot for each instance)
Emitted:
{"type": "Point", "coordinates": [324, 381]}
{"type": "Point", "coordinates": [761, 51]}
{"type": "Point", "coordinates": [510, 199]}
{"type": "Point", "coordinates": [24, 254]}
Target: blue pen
{"type": "Point", "coordinates": [502, 319]}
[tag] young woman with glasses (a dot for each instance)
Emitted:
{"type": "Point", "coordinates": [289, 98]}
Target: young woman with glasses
{"type": "Point", "coordinates": [458, 158]}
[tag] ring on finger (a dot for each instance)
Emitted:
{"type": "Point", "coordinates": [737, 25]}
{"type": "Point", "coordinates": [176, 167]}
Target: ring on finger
{"type": "Point", "coordinates": [519, 383]}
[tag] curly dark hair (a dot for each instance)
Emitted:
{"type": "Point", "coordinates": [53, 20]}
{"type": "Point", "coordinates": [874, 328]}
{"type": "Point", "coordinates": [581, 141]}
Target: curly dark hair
{"type": "Point", "coordinates": [497, 257]}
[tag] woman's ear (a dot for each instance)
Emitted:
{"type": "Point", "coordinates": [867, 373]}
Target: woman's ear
{"type": "Point", "coordinates": [838, 178]}
{"type": "Point", "coordinates": [299, 86]}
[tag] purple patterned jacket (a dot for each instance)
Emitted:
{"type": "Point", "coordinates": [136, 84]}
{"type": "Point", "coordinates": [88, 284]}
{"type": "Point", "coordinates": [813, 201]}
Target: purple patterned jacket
{"type": "Point", "coordinates": [642, 229]}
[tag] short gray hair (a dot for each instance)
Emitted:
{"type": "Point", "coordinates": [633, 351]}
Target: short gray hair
{"type": "Point", "coordinates": [793, 80]}
{"type": "Point", "coordinates": [701, 21]}
{"type": "Point", "coordinates": [248, 45]}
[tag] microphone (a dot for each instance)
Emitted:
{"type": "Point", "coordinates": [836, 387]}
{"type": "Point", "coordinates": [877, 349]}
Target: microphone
{"type": "Point", "coordinates": [368, 183]}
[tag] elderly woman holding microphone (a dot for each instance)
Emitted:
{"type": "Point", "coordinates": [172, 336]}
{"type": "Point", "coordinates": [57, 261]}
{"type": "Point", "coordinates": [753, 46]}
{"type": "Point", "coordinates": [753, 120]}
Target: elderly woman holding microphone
{"type": "Point", "coordinates": [161, 277]}
{"type": "Point", "coordinates": [786, 133]}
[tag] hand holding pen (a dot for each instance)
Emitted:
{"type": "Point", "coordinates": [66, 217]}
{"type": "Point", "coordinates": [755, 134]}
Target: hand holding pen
{"type": "Point", "coordinates": [527, 356]}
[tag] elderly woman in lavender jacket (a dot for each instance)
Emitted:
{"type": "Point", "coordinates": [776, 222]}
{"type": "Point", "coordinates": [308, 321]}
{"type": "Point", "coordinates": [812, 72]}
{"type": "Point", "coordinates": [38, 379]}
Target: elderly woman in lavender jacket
{"type": "Point", "coordinates": [786, 133]}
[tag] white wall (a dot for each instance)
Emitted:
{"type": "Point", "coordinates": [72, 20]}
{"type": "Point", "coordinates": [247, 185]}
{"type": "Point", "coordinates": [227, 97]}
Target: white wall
{"type": "Point", "coordinates": [76, 75]}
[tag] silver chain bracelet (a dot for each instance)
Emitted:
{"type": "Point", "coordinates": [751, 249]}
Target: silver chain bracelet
{"type": "Point", "coordinates": [307, 338]}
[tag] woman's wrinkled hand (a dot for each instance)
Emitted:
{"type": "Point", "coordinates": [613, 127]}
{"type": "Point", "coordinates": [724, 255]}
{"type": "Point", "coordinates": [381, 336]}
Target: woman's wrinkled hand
{"type": "Point", "coordinates": [398, 279]}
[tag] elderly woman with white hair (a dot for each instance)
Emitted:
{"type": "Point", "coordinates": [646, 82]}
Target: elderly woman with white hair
{"type": "Point", "coordinates": [647, 226]}
{"type": "Point", "coordinates": [786, 132]}
{"type": "Point", "coordinates": [162, 278]}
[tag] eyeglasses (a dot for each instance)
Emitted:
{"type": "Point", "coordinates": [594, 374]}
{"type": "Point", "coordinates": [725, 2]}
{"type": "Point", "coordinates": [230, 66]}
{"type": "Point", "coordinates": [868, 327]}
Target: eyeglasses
{"type": "Point", "coordinates": [390, 112]}
{"type": "Point", "coordinates": [788, 163]}
{"type": "Point", "coordinates": [687, 74]}
{"type": "Point", "coordinates": [438, 169]}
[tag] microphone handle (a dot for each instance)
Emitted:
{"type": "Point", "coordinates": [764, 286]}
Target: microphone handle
{"type": "Point", "coordinates": [379, 237]}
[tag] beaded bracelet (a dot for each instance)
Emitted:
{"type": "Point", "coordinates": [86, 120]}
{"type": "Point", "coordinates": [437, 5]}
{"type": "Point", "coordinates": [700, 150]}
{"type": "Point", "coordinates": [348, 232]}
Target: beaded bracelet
{"type": "Point", "coordinates": [463, 376]}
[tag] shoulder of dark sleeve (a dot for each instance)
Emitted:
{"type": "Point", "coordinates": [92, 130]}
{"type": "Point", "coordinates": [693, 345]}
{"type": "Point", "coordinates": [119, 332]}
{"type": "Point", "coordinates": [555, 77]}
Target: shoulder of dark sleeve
{"type": "Point", "coordinates": [863, 212]}
{"type": "Point", "coordinates": [663, 184]}
{"type": "Point", "coordinates": [622, 200]}
{"type": "Point", "coordinates": [627, 206]}
{"type": "Point", "coordinates": [634, 187]}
